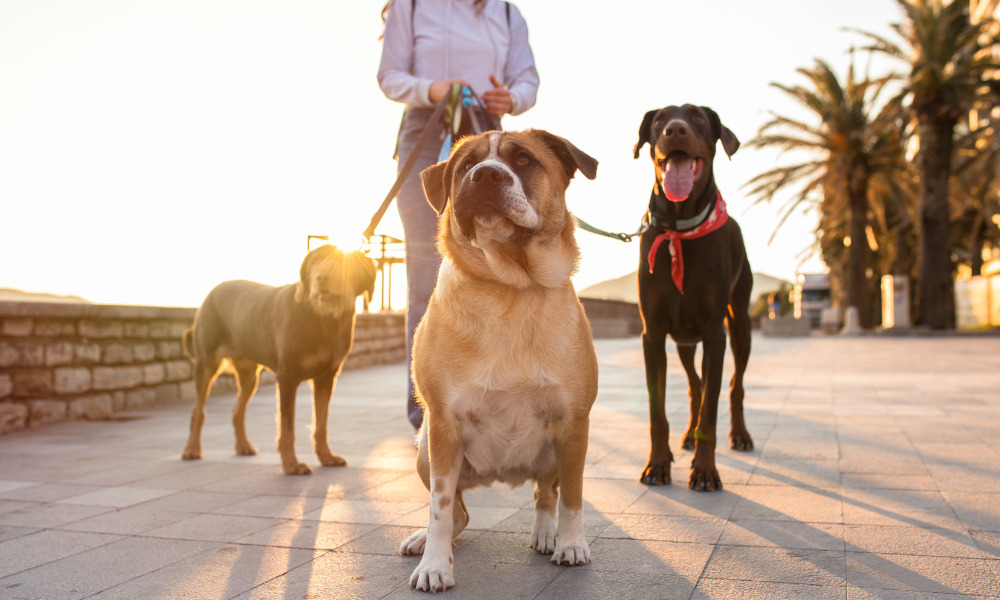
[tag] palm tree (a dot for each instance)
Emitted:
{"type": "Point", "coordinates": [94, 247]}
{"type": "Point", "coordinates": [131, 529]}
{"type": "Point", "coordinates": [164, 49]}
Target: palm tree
{"type": "Point", "coordinates": [949, 60]}
{"type": "Point", "coordinates": [849, 145]}
{"type": "Point", "coordinates": [975, 201]}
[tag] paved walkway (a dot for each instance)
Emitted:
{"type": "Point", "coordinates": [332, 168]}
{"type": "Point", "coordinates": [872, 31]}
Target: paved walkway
{"type": "Point", "coordinates": [876, 474]}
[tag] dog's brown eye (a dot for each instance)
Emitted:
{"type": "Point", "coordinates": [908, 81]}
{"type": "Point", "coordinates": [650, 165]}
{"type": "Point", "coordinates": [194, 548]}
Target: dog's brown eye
{"type": "Point", "coordinates": [700, 120]}
{"type": "Point", "coordinates": [523, 161]}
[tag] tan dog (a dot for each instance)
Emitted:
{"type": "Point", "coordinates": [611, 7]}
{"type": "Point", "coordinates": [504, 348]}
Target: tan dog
{"type": "Point", "coordinates": [299, 331]}
{"type": "Point", "coordinates": [504, 359]}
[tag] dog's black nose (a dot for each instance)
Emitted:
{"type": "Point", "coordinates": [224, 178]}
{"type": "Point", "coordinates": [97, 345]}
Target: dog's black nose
{"type": "Point", "coordinates": [489, 174]}
{"type": "Point", "coordinates": [676, 128]}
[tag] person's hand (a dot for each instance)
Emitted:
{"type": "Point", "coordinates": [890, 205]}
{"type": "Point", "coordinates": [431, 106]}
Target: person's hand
{"type": "Point", "coordinates": [440, 89]}
{"type": "Point", "coordinates": [498, 100]}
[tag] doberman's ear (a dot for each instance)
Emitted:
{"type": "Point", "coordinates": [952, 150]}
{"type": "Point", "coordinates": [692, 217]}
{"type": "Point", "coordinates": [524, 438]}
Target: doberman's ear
{"type": "Point", "coordinates": [571, 157]}
{"type": "Point", "coordinates": [722, 133]}
{"type": "Point", "coordinates": [435, 185]}
{"type": "Point", "coordinates": [647, 122]}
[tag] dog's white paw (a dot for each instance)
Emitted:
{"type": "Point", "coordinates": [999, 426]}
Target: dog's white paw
{"type": "Point", "coordinates": [431, 577]}
{"type": "Point", "coordinates": [543, 534]}
{"type": "Point", "coordinates": [577, 553]}
{"type": "Point", "coordinates": [414, 544]}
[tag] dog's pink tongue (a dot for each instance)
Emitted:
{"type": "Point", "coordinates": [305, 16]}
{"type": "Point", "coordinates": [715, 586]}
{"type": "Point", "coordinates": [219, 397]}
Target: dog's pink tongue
{"type": "Point", "coordinates": [678, 178]}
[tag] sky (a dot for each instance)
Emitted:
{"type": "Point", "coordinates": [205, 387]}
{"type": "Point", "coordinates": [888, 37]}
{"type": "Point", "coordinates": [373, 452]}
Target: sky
{"type": "Point", "coordinates": [150, 150]}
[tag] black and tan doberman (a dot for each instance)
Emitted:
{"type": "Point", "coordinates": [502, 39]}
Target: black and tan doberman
{"type": "Point", "coordinates": [694, 283]}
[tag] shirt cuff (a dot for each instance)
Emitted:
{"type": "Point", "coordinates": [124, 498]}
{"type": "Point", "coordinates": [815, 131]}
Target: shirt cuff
{"type": "Point", "coordinates": [515, 102]}
{"type": "Point", "coordinates": [423, 96]}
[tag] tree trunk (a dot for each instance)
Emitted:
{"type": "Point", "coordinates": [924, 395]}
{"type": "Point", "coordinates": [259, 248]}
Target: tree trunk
{"type": "Point", "coordinates": [857, 255]}
{"type": "Point", "coordinates": [976, 244]}
{"type": "Point", "coordinates": [935, 300]}
{"type": "Point", "coordinates": [903, 264]}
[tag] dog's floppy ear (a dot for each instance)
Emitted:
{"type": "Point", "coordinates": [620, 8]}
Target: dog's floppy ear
{"type": "Point", "coordinates": [729, 142]}
{"type": "Point", "coordinates": [435, 185]}
{"type": "Point", "coordinates": [647, 122]}
{"type": "Point", "coordinates": [302, 286]}
{"type": "Point", "coordinates": [571, 157]}
{"type": "Point", "coordinates": [361, 273]}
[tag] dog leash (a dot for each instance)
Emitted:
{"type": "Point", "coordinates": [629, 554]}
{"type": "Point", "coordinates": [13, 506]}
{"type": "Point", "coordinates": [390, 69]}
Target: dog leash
{"type": "Point", "coordinates": [459, 99]}
{"type": "Point", "coordinates": [622, 237]}
{"type": "Point", "coordinates": [411, 160]}
{"type": "Point", "coordinates": [451, 107]}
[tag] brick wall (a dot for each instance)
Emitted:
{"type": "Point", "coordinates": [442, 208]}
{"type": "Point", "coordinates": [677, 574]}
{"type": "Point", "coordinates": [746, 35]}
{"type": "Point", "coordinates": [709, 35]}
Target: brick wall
{"type": "Point", "coordinates": [90, 361]}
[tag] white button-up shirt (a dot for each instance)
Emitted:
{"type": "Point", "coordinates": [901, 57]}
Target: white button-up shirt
{"type": "Point", "coordinates": [448, 39]}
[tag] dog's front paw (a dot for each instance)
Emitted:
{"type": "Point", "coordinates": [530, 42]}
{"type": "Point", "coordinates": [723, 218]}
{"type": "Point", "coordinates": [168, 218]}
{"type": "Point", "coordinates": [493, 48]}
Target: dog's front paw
{"type": "Point", "coordinates": [414, 544]}
{"type": "Point", "coordinates": [656, 473]}
{"type": "Point", "coordinates": [704, 479]}
{"type": "Point", "coordinates": [191, 453]}
{"type": "Point", "coordinates": [430, 577]}
{"type": "Point", "coordinates": [577, 553]}
{"type": "Point", "coordinates": [296, 468]}
{"type": "Point", "coordinates": [543, 534]}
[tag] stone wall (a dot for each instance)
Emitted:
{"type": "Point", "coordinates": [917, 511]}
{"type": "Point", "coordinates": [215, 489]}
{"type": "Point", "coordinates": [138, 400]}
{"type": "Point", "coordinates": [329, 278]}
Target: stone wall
{"type": "Point", "coordinates": [89, 361]}
{"type": "Point", "coordinates": [63, 361]}
{"type": "Point", "coordinates": [612, 318]}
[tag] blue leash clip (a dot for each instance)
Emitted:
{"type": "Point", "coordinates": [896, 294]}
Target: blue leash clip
{"type": "Point", "coordinates": [456, 119]}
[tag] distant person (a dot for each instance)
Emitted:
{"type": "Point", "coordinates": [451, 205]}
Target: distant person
{"type": "Point", "coordinates": [428, 46]}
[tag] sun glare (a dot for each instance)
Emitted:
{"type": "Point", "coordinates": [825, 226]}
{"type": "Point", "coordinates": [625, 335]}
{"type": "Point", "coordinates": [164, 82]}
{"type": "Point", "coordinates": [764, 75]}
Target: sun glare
{"type": "Point", "coordinates": [390, 280]}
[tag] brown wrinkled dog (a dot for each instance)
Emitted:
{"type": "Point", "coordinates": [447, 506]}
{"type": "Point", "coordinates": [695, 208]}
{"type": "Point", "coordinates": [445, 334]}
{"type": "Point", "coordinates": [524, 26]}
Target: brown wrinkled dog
{"type": "Point", "coordinates": [299, 331]}
{"type": "Point", "coordinates": [504, 360]}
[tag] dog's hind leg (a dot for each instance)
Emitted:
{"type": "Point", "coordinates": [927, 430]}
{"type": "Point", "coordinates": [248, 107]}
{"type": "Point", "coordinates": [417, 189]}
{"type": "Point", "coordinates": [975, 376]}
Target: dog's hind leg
{"type": "Point", "coordinates": [247, 376]}
{"type": "Point", "coordinates": [205, 371]}
{"type": "Point", "coordinates": [686, 353]}
{"type": "Point", "coordinates": [739, 341]}
{"type": "Point", "coordinates": [287, 390]}
{"type": "Point", "coordinates": [657, 470]}
{"type": "Point", "coordinates": [322, 393]}
{"type": "Point", "coordinates": [543, 532]}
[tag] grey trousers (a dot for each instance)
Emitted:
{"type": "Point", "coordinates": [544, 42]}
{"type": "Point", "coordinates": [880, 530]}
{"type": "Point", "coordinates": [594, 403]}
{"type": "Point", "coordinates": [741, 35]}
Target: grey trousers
{"type": "Point", "coordinates": [419, 230]}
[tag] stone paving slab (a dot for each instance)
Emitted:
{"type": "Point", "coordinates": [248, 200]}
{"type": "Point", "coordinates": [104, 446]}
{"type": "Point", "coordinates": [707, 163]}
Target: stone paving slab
{"type": "Point", "coordinates": [875, 475]}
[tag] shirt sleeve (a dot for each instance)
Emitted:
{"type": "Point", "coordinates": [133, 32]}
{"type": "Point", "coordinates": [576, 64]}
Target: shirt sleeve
{"type": "Point", "coordinates": [520, 71]}
{"type": "Point", "coordinates": [395, 72]}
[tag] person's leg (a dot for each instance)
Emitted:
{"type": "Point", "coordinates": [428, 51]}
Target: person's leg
{"type": "Point", "coordinates": [419, 232]}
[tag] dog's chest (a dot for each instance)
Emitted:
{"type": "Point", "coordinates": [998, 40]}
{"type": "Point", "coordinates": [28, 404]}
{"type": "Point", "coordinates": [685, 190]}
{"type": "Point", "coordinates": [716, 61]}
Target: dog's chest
{"type": "Point", "coordinates": [506, 432]}
{"type": "Point", "coordinates": [322, 349]}
{"type": "Point", "coordinates": [510, 382]}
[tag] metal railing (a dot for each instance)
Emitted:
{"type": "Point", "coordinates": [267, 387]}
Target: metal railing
{"type": "Point", "coordinates": [386, 251]}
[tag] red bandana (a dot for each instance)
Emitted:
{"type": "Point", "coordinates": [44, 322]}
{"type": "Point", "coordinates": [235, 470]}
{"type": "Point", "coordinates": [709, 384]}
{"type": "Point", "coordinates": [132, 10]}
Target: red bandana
{"type": "Point", "coordinates": [716, 219]}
